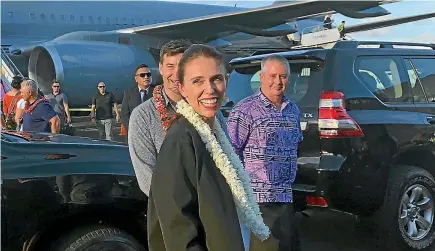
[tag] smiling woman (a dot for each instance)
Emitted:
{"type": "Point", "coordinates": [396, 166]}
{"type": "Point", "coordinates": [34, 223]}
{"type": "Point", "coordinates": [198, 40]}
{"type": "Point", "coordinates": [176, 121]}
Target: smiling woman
{"type": "Point", "coordinates": [200, 193]}
{"type": "Point", "coordinates": [202, 81]}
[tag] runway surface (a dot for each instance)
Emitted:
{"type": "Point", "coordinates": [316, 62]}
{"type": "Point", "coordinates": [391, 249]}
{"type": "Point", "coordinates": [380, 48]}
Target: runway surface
{"type": "Point", "coordinates": [323, 231]}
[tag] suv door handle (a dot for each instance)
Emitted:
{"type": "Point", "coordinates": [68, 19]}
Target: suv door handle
{"type": "Point", "coordinates": [430, 119]}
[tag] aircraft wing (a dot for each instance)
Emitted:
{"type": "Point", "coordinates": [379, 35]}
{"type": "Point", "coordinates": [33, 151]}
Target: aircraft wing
{"type": "Point", "coordinates": [386, 23]}
{"type": "Point", "coordinates": [208, 28]}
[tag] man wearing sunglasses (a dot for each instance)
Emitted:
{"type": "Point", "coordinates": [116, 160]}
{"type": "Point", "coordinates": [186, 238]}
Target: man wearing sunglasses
{"type": "Point", "coordinates": [137, 94]}
{"type": "Point", "coordinates": [59, 102]}
{"type": "Point", "coordinates": [101, 111]}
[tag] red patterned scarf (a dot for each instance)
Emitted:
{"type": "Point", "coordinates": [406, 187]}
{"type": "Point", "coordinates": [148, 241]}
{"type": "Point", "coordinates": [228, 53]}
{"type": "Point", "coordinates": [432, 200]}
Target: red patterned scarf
{"type": "Point", "coordinates": [29, 108]}
{"type": "Point", "coordinates": [167, 120]}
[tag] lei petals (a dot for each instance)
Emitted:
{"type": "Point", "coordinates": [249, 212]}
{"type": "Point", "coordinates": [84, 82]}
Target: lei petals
{"type": "Point", "coordinates": [161, 108]}
{"type": "Point", "coordinates": [29, 109]}
{"type": "Point", "coordinates": [231, 168]}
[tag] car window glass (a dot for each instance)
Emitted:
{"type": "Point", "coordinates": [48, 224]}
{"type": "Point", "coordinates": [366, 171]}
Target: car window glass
{"type": "Point", "coordinates": [382, 77]}
{"type": "Point", "coordinates": [425, 68]}
{"type": "Point", "coordinates": [417, 90]}
{"type": "Point", "coordinates": [304, 84]}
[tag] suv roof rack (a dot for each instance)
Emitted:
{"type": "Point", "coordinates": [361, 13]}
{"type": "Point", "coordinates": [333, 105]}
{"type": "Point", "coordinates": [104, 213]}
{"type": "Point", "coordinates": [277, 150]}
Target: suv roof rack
{"type": "Point", "coordinates": [382, 44]}
{"type": "Point", "coordinates": [267, 51]}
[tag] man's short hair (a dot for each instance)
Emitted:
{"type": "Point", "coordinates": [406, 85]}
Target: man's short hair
{"type": "Point", "coordinates": [27, 82]}
{"type": "Point", "coordinates": [55, 81]}
{"type": "Point", "coordinates": [141, 66]}
{"type": "Point", "coordinates": [174, 47]}
{"type": "Point", "coordinates": [278, 58]}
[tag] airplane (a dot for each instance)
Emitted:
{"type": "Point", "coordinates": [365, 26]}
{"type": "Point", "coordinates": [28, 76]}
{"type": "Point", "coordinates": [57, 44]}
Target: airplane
{"type": "Point", "coordinates": [82, 43]}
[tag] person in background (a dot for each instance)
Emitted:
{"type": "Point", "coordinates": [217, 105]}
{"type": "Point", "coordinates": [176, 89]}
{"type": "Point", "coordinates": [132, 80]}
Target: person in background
{"type": "Point", "coordinates": [265, 132]}
{"type": "Point", "coordinates": [9, 102]}
{"type": "Point", "coordinates": [20, 112]}
{"type": "Point", "coordinates": [59, 102]}
{"type": "Point", "coordinates": [21, 105]}
{"type": "Point", "coordinates": [102, 113]}
{"type": "Point", "coordinates": [2, 120]}
{"type": "Point", "coordinates": [137, 94]}
{"type": "Point", "coordinates": [147, 126]}
{"type": "Point", "coordinates": [39, 115]}
{"type": "Point", "coordinates": [327, 22]}
{"type": "Point", "coordinates": [341, 28]}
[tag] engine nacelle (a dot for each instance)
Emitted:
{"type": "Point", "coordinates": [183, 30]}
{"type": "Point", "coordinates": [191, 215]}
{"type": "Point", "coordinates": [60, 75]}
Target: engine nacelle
{"type": "Point", "coordinates": [80, 65]}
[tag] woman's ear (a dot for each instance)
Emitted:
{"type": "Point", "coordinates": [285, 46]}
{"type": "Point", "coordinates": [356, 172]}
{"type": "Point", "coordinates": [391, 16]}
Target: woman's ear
{"type": "Point", "coordinates": [182, 90]}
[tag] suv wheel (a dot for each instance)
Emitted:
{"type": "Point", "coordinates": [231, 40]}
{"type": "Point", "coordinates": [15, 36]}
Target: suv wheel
{"type": "Point", "coordinates": [97, 237]}
{"type": "Point", "coordinates": [409, 209]}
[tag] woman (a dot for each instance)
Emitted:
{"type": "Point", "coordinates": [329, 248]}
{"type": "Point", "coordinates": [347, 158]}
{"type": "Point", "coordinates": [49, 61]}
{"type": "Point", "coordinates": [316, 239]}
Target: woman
{"type": "Point", "coordinates": [200, 193]}
{"type": "Point", "coordinates": [10, 100]}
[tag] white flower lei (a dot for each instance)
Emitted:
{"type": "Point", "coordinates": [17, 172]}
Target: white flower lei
{"type": "Point", "coordinates": [231, 168]}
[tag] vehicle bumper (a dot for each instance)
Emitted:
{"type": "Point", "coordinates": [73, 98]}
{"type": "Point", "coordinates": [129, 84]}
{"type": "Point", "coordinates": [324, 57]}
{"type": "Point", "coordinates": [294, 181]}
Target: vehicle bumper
{"type": "Point", "coordinates": [315, 181]}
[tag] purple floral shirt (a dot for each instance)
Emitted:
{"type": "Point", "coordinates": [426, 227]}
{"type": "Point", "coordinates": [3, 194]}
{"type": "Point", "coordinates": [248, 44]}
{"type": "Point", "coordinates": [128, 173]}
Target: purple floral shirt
{"type": "Point", "coordinates": [266, 139]}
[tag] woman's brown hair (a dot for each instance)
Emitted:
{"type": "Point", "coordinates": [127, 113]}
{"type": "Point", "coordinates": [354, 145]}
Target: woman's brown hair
{"type": "Point", "coordinates": [195, 51]}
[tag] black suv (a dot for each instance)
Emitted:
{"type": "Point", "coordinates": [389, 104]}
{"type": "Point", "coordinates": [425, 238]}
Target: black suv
{"type": "Point", "coordinates": [368, 118]}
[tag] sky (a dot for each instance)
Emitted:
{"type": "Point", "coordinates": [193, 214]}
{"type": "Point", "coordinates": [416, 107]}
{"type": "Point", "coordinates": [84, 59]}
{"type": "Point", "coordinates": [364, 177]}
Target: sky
{"type": "Point", "coordinates": [420, 31]}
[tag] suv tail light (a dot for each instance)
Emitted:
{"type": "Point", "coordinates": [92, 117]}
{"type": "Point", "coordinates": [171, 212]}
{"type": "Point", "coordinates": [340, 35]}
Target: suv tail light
{"type": "Point", "coordinates": [334, 122]}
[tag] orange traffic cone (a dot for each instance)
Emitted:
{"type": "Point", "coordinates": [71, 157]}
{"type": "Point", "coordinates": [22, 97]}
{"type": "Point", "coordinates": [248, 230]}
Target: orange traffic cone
{"type": "Point", "coordinates": [123, 131]}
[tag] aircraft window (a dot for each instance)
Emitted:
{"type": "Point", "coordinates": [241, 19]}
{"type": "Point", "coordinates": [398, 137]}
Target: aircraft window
{"type": "Point", "coordinates": [91, 19]}
{"type": "Point", "coordinates": [62, 17]}
{"type": "Point", "coordinates": [42, 16]}
{"type": "Point", "coordinates": [132, 21]}
{"type": "Point", "coordinates": [125, 21]}
{"type": "Point", "coordinates": [82, 19]}
{"type": "Point", "coordinates": [107, 20]}
{"type": "Point", "coordinates": [10, 14]}
{"type": "Point", "coordinates": [116, 20]}
{"type": "Point", "coordinates": [53, 17]}
{"type": "Point", "coordinates": [100, 21]}
{"type": "Point", "coordinates": [32, 16]}
{"type": "Point", "coordinates": [71, 17]}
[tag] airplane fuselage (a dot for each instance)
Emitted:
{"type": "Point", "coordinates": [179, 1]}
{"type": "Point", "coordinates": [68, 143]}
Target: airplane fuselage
{"type": "Point", "coordinates": [77, 41]}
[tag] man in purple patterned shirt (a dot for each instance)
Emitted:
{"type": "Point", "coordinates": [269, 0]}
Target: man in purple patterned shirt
{"type": "Point", "coordinates": [265, 132]}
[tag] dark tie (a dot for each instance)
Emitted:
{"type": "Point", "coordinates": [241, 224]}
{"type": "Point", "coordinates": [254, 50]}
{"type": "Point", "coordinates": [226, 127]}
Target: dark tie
{"type": "Point", "coordinates": [143, 94]}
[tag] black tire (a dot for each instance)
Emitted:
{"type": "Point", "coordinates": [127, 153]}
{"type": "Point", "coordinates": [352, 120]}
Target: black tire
{"type": "Point", "coordinates": [391, 230]}
{"type": "Point", "coordinates": [97, 237]}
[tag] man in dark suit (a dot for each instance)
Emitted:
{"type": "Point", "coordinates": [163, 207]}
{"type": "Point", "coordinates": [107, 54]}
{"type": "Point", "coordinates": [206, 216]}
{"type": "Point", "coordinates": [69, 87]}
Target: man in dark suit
{"type": "Point", "coordinates": [137, 94]}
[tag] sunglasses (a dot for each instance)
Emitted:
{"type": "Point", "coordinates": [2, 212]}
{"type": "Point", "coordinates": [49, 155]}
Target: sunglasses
{"type": "Point", "coordinates": [101, 86]}
{"type": "Point", "coordinates": [142, 75]}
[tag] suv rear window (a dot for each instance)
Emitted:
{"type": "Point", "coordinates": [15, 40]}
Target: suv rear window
{"type": "Point", "coordinates": [304, 85]}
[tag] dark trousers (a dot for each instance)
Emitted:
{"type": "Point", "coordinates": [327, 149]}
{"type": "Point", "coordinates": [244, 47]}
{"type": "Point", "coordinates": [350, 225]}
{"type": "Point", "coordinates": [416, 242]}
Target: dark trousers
{"type": "Point", "coordinates": [280, 218]}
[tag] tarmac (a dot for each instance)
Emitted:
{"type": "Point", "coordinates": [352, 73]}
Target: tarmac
{"type": "Point", "coordinates": [325, 230]}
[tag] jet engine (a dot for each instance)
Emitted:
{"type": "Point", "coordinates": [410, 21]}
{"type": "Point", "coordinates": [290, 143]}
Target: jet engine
{"type": "Point", "coordinates": [80, 65]}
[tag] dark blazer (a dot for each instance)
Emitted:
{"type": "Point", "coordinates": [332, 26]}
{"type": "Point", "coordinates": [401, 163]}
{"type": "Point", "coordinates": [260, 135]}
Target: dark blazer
{"type": "Point", "coordinates": [190, 206]}
{"type": "Point", "coordinates": [130, 100]}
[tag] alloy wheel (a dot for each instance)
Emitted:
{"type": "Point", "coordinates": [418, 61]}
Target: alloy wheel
{"type": "Point", "coordinates": [417, 212]}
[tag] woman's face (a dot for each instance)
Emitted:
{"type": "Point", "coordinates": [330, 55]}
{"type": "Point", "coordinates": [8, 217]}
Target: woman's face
{"type": "Point", "coordinates": [204, 86]}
